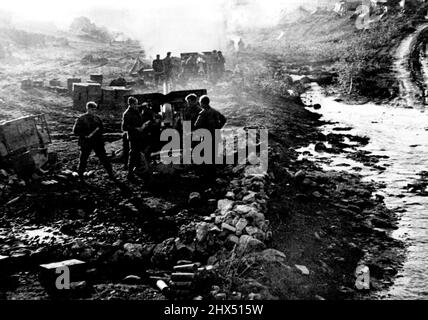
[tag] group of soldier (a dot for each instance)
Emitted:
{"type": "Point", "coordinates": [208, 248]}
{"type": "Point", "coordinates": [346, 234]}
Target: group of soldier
{"type": "Point", "coordinates": [163, 69]}
{"type": "Point", "coordinates": [141, 127]}
{"type": "Point", "coordinates": [209, 66]}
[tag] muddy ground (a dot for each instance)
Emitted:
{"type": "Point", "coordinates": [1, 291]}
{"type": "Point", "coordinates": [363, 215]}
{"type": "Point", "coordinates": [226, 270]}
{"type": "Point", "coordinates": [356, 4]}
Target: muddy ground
{"type": "Point", "coordinates": [327, 222]}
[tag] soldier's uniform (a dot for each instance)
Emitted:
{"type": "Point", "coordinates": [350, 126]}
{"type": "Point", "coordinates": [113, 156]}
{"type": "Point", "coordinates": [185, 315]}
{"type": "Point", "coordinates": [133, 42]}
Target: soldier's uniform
{"type": "Point", "coordinates": [210, 119]}
{"type": "Point", "coordinates": [167, 67]}
{"type": "Point", "coordinates": [191, 113]}
{"type": "Point", "coordinates": [158, 69]}
{"type": "Point", "coordinates": [84, 126]}
{"type": "Point", "coordinates": [131, 120]}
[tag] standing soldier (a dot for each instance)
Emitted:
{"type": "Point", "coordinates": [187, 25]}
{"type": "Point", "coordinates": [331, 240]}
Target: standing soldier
{"type": "Point", "coordinates": [210, 119]}
{"type": "Point", "coordinates": [167, 67]}
{"type": "Point", "coordinates": [132, 122]}
{"type": "Point", "coordinates": [157, 66]}
{"type": "Point", "coordinates": [200, 63]}
{"type": "Point", "coordinates": [221, 63]}
{"type": "Point", "coordinates": [192, 110]}
{"type": "Point", "coordinates": [89, 128]}
{"type": "Point", "coordinates": [213, 66]}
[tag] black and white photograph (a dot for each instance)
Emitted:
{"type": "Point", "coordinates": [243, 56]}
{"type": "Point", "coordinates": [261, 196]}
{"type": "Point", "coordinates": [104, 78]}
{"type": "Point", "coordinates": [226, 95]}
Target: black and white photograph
{"type": "Point", "coordinates": [211, 157]}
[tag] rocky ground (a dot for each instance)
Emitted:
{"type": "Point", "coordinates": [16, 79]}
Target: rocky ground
{"type": "Point", "coordinates": [296, 232]}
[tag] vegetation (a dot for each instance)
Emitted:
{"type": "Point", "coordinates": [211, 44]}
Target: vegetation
{"type": "Point", "coordinates": [361, 59]}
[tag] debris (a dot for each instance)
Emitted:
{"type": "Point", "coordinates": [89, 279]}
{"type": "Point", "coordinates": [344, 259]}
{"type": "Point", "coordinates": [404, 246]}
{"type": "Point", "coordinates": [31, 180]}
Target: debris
{"type": "Point", "coordinates": [201, 231]}
{"type": "Point", "coordinates": [302, 269]}
{"type": "Point", "coordinates": [187, 267]}
{"type": "Point", "coordinates": [182, 276]}
{"type": "Point", "coordinates": [163, 287]}
{"type": "Point", "coordinates": [230, 195]}
{"type": "Point", "coordinates": [240, 226]}
{"type": "Point", "coordinates": [228, 227]}
{"type": "Point", "coordinates": [224, 205]}
{"type": "Point", "coordinates": [180, 285]}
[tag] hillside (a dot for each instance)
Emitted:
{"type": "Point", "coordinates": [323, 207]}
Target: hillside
{"type": "Point", "coordinates": [359, 60]}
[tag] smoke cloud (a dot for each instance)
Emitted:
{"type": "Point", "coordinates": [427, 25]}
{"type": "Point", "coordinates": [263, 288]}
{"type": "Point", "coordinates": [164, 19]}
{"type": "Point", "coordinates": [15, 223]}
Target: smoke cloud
{"type": "Point", "coordinates": [160, 26]}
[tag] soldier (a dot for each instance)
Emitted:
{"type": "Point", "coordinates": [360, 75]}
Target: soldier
{"type": "Point", "coordinates": [132, 122]}
{"type": "Point", "coordinates": [200, 63]}
{"type": "Point", "coordinates": [192, 110]}
{"type": "Point", "coordinates": [167, 67]}
{"type": "Point", "coordinates": [209, 118]}
{"type": "Point", "coordinates": [89, 128]}
{"type": "Point", "coordinates": [213, 65]}
{"type": "Point", "coordinates": [158, 68]}
{"type": "Point", "coordinates": [221, 63]}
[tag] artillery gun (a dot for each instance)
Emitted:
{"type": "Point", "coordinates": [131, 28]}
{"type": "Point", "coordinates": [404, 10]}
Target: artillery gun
{"type": "Point", "coordinates": [169, 106]}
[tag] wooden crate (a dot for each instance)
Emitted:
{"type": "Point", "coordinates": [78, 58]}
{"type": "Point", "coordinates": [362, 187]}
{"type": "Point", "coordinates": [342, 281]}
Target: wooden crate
{"type": "Point", "coordinates": [23, 134]}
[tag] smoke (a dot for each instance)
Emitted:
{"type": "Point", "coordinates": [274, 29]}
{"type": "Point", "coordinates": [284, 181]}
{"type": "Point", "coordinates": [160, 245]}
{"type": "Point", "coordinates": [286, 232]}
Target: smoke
{"type": "Point", "coordinates": [161, 26]}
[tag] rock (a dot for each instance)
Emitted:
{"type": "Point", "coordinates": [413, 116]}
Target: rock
{"type": "Point", "coordinates": [224, 205]}
{"type": "Point", "coordinates": [3, 174]}
{"type": "Point", "coordinates": [250, 197]}
{"type": "Point", "coordinates": [303, 270]}
{"type": "Point", "coordinates": [240, 226]}
{"type": "Point", "coordinates": [194, 199]}
{"type": "Point", "coordinates": [187, 233]}
{"type": "Point", "coordinates": [184, 251]}
{"type": "Point", "coordinates": [270, 256]}
{"type": "Point", "coordinates": [248, 244]}
{"type": "Point", "coordinates": [201, 231]}
{"type": "Point", "coordinates": [225, 226]}
{"type": "Point", "coordinates": [233, 239]}
{"type": "Point", "coordinates": [135, 251]}
{"type": "Point", "coordinates": [164, 253]}
{"type": "Point", "coordinates": [230, 195]}
{"type": "Point", "coordinates": [243, 209]}
{"type": "Point", "coordinates": [255, 218]}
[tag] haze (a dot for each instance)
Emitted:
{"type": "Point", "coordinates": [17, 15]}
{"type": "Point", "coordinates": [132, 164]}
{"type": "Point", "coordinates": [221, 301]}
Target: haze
{"type": "Point", "coordinates": [160, 26]}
